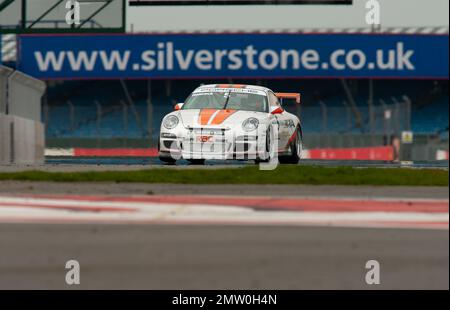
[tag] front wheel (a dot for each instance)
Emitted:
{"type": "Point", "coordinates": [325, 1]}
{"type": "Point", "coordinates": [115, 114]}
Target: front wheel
{"type": "Point", "coordinates": [166, 157]}
{"type": "Point", "coordinates": [268, 150]}
{"type": "Point", "coordinates": [296, 149]}
{"type": "Point", "coordinates": [196, 161]}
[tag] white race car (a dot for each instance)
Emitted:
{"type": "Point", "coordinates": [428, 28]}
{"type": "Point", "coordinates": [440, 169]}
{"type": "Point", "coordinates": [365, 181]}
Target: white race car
{"type": "Point", "coordinates": [226, 121]}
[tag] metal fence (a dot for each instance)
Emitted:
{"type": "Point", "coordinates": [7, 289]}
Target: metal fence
{"type": "Point", "coordinates": [326, 125]}
{"type": "Point", "coordinates": [385, 117]}
{"type": "Point", "coordinates": [105, 120]}
{"type": "Point", "coordinates": [142, 120]}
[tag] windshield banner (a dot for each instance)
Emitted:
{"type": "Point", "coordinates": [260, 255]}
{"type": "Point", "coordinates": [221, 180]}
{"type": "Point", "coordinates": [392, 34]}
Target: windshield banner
{"type": "Point", "coordinates": [234, 56]}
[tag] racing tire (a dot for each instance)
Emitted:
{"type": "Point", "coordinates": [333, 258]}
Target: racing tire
{"type": "Point", "coordinates": [196, 161]}
{"type": "Point", "coordinates": [268, 146]}
{"type": "Point", "coordinates": [296, 148]}
{"type": "Point", "coordinates": [166, 158]}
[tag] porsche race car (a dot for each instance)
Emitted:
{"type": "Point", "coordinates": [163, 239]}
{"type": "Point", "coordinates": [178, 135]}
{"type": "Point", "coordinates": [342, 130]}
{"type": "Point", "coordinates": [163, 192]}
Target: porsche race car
{"type": "Point", "coordinates": [226, 121]}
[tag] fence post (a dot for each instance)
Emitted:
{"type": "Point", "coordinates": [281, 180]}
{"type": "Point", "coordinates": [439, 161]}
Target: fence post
{"type": "Point", "coordinates": [99, 117]}
{"type": "Point", "coordinates": [149, 112]}
{"type": "Point", "coordinates": [371, 121]}
{"type": "Point", "coordinates": [349, 115]}
{"type": "Point", "coordinates": [352, 102]}
{"type": "Point", "coordinates": [371, 111]}
{"type": "Point", "coordinates": [132, 106]}
{"type": "Point", "coordinates": [71, 116]}
{"type": "Point", "coordinates": [408, 105]}
{"type": "Point", "coordinates": [397, 128]}
{"type": "Point", "coordinates": [386, 122]}
{"type": "Point", "coordinates": [125, 122]}
{"type": "Point", "coordinates": [406, 149]}
{"type": "Point", "coordinates": [324, 115]}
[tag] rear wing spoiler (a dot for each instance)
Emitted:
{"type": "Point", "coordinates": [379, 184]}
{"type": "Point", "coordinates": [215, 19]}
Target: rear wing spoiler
{"type": "Point", "coordinates": [295, 96]}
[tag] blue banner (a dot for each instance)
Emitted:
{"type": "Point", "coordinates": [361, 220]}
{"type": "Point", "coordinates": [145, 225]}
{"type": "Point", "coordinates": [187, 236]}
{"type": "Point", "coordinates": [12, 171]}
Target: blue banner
{"type": "Point", "coordinates": [234, 56]}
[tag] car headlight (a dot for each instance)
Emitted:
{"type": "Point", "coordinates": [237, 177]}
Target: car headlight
{"type": "Point", "coordinates": [170, 122]}
{"type": "Point", "coordinates": [250, 124]}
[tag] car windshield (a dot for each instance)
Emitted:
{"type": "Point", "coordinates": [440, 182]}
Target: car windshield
{"type": "Point", "coordinates": [227, 100]}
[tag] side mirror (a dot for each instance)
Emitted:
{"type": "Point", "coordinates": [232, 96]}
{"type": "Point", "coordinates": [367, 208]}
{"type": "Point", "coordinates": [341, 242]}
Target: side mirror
{"type": "Point", "coordinates": [178, 106]}
{"type": "Point", "coordinates": [276, 110]}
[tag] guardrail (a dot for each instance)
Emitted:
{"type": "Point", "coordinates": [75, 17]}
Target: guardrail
{"type": "Point", "coordinates": [424, 148]}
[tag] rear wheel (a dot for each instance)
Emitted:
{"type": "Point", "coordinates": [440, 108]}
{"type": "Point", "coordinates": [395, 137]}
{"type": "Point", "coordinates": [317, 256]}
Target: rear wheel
{"type": "Point", "coordinates": [296, 149]}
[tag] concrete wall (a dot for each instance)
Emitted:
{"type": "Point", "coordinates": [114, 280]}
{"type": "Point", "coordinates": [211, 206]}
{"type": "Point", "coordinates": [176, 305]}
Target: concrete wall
{"type": "Point", "coordinates": [5, 139]}
{"type": "Point", "coordinates": [4, 74]}
{"type": "Point", "coordinates": [22, 140]}
{"type": "Point", "coordinates": [25, 95]}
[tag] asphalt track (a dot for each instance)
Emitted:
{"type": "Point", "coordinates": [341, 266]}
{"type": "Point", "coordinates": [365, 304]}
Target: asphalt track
{"type": "Point", "coordinates": [152, 161]}
{"type": "Point", "coordinates": [220, 257]}
{"type": "Point", "coordinates": [155, 255]}
{"type": "Point", "coordinates": [324, 191]}
{"type": "Point", "coordinates": [158, 255]}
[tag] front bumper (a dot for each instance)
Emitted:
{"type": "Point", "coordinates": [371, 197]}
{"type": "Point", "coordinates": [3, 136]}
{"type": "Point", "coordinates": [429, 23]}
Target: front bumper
{"type": "Point", "coordinates": [211, 143]}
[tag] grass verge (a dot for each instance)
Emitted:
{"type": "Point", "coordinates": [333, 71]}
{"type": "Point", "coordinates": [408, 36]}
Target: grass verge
{"type": "Point", "coordinates": [250, 175]}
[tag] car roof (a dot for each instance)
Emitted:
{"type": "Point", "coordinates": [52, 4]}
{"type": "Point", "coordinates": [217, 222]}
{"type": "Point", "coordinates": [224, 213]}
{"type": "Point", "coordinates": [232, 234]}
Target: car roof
{"type": "Point", "coordinates": [235, 86]}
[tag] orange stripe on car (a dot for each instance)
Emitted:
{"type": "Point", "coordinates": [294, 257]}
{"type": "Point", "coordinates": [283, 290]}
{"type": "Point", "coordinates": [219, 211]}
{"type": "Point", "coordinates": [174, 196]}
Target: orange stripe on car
{"type": "Point", "coordinates": [222, 116]}
{"type": "Point", "coordinates": [214, 116]}
{"type": "Point", "coordinates": [205, 115]}
{"type": "Point", "coordinates": [230, 86]}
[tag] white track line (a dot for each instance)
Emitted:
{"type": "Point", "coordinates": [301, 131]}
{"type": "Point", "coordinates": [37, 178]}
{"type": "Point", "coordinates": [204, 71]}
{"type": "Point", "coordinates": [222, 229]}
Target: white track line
{"type": "Point", "coordinates": [149, 212]}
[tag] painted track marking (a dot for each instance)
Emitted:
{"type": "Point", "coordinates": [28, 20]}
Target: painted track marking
{"type": "Point", "coordinates": [430, 214]}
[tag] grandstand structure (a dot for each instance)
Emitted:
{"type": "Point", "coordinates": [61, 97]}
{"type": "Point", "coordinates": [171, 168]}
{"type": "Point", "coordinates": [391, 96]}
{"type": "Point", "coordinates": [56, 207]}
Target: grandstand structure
{"type": "Point", "coordinates": [324, 107]}
{"type": "Point", "coordinates": [336, 112]}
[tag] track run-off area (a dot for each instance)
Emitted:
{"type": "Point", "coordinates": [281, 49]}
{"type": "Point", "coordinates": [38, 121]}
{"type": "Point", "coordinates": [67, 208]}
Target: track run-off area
{"type": "Point", "coordinates": [268, 204]}
{"type": "Point", "coordinates": [150, 235]}
{"type": "Point", "coordinates": [225, 210]}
